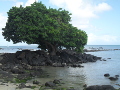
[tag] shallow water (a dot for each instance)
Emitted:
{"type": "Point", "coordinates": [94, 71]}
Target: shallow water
{"type": "Point", "coordinates": [90, 74]}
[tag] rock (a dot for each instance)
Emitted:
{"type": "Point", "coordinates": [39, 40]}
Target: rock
{"type": "Point", "coordinates": [107, 75]}
{"type": "Point", "coordinates": [116, 75]}
{"type": "Point", "coordinates": [85, 85]}
{"type": "Point", "coordinates": [76, 65]}
{"type": "Point", "coordinates": [36, 82]}
{"type": "Point", "coordinates": [23, 76]}
{"type": "Point", "coordinates": [50, 84]}
{"type": "Point", "coordinates": [72, 89]}
{"type": "Point", "coordinates": [56, 81]}
{"type": "Point", "coordinates": [40, 58]}
{"type": "Point", "coordinates": [1, 57]}
{"type": "Point", "coordinates": [57, 65]}
{"type": "Point", "coordinates": [36, 73]}
{"type": "Point", "coordinates": [6, 75]}
{"type": "Point", "coordinates": [104, 59]}
{"type": "Point", "coordinates": [63, 64]}
{"type": "Point", "coordinates": [102, 87]}
{"type": "Point", "coordinates": [42, 53]}
{"type": "Point", "coordinates": [49, 63]}
{"type": "Point", "coordinates": [8, 58]}
{"type": "Point", "coordinates": [22, 85]}
{"type": "Point", "coordinates": [17, 71]}
{"type": "Point", "coordinates": [113, 78]}
{"type": "Point", "coordinates": [21, 56]}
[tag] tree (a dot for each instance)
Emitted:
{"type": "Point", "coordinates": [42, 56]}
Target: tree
{"type": "Point", "coordinates": [49, 28]}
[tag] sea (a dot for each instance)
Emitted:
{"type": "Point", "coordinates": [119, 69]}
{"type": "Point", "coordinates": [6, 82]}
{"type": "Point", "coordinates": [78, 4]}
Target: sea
{"type": "Point", "coordinates": [91, 74]}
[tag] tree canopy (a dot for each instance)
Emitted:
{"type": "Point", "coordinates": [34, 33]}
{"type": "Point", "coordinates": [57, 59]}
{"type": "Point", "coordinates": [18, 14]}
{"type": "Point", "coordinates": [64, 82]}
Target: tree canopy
{"type": "Point", "coordinates": [49, 28]}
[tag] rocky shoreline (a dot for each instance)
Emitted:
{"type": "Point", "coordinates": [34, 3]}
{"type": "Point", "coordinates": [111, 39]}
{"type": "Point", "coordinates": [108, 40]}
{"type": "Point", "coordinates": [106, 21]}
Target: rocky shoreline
{"type": "Point", "coordinates": [41, 58]}
{"type": "Point", "coordinates": [24, 65]}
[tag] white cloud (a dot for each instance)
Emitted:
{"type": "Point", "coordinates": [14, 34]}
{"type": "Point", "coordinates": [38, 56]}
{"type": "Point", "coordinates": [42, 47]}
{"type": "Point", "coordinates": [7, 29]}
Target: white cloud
{"type": "Point", "coordinates": [102, 39]}
{"type": "Point", "coordinates": [102, 7]}
{"type": "Point", "coordinates": [3, 20]}
{"type": "Point", "coordinates": [8, 0]}
{"type": "Point", "coordinates": [29, 2]}
{"type": "Point", "coordinates": [18, 4]}
{"type": "Point", "coordinates": [78, 7]}
{"type": "Point", "coordinates": [82, 10]}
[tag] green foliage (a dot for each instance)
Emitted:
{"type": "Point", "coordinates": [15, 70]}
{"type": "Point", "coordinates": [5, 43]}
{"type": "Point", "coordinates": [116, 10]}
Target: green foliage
{"type": "Point", "coordinates": [49, 28]}
{"type": "Point", "coordinates": [22, 80]}
{"type": "Point", "coordinates": [42, 88]}
{"type": "Point", "coordinates": [33, 87]}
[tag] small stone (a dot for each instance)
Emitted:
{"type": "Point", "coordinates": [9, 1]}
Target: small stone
{"type": "Point", "coordinates": [56, 81]}
{"type": "Point", "coordinates": [50, 84]}
{"type": "Point", "coordinates": [22, 85]}
{"type": "Point", "coordinates": [36, 82]}
{"type": "Point", "coordinates": [107, 75]}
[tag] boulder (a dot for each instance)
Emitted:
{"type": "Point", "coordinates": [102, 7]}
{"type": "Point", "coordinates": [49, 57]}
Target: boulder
{"type": "Point", "coordinates": [6, 75]}
{"type": "Point", "coordinates": [17, 71]}
{"type": "Point", "coordinates": [56, 81]}
{"type": "Point", "coordinates": [107, 75]}
{"type": "Point", "coordinates": [36, 82]}
{"type": "Point", "coordinates": [22, 85]}
{"type": "Point", "coordinates": [113, 78]}
{"type": "Point", "coordinates": [41, 58]}
{"type": "Point", "coordinates": [63, 64]}
{"type": "Point", "coordinates": [57, 65]}
{"type": "Point", "coordinates": [50, 84]}
{"type": "Point", "coordinates": [21, 56]}
{"type": "Point", "coordinates": [76, 65]}
{"type": "Point", "coordinates": [102, 87]}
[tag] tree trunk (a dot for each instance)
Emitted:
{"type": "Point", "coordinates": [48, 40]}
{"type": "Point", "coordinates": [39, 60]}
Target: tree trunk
{"type": "Point", "coordinates": [51, 48]}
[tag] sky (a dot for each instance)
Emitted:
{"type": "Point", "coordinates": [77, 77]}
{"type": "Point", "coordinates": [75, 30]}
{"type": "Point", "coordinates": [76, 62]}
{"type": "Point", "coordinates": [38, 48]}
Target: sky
{"type": "Point", "coordinates": [100, 19]}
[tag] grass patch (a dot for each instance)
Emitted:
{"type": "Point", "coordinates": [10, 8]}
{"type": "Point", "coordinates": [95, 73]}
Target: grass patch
{"type": "Point", "coordinates": [28, 71]}
{"type": "Point", "coordinates": [60, 89]}
{"type": "Point", "coordinates": [33, 87]}
{"type": "Point", "coordinates": [22, 80]}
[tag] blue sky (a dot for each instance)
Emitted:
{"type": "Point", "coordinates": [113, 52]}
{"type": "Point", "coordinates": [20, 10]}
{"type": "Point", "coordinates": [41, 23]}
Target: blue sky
{"type": "Point", "coordinates": [99, 18]}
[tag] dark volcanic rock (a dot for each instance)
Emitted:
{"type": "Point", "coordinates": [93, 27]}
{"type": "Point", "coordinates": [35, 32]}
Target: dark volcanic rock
{"type": "Point", "coordinates": [113, 78]}
{"type": "Point", "coordinates": [72, 89]}
{"type": "Point", "coordinates": [36, 82]}
{"type": "Point", "coordinates": [56, 81]}
{"type": "Point", "coordinates": [6, 75]}
{"type": "Point", "coordinates": [40, 58]}
{"type": "Point", "coordinates": [102, 87]}
{"type": "Point", "coordinates": [50, 84]}
{"type": "Point", "coordinates": [17, 71]}
{"type": "Point", "coordinates": [107, 75]}
{"type": "Point", "coordinates": [22, 85]}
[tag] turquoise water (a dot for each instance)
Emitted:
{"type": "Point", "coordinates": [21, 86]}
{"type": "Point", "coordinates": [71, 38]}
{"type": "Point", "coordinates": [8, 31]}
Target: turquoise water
{"type": "Point", "coordinates": [91, 74]}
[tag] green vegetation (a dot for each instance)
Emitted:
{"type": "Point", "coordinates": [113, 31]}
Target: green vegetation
{"type": "Point", "coordinates": [33, 87]}
{"type": "Point", "coordinates": [43, 88]}
{"type": "Point", "coordinates": [21, 80]}
{"type": "Point", "coordinates": [60, 89]}
{"type": "Point", "coordinates": [49, 28]}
